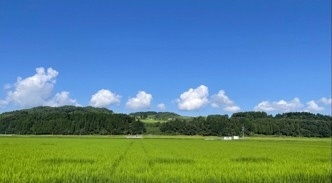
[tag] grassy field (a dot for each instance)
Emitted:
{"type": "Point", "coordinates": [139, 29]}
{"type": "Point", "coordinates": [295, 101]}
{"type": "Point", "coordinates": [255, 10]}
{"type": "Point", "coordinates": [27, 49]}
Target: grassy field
{"type": "Point", "coordinates": [163, 159]}
{"type": "Point", "coordinates": [152, 120]}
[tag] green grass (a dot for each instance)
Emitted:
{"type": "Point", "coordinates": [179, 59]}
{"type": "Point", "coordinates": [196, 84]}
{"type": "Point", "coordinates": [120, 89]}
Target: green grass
{"type": "Point", "coordinates": [163, 159]}
{"type": "Point", "coordinates": [152, 120]}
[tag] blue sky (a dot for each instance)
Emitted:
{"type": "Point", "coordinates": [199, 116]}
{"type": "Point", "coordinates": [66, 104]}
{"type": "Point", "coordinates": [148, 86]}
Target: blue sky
{"type": "Point", "coordinates": [189, 57]}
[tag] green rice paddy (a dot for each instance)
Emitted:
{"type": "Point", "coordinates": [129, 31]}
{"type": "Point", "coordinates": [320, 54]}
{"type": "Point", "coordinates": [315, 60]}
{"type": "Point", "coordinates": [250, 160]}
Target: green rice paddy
{"type": "Point", "coordinates": [175, 159]}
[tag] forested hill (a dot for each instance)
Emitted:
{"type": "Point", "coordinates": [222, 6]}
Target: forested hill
{"type": "Point", "coordinates": [68, 120]}
{"type": "Point", "coordinates": [252, 123]}
{"type": "Point", "coordinates": [88, 120]}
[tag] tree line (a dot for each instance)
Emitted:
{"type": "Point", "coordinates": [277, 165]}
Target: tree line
{"type": "Point", "coordinates": [88, 120]}
{"type": "Point", "coordinates": [253, 123]}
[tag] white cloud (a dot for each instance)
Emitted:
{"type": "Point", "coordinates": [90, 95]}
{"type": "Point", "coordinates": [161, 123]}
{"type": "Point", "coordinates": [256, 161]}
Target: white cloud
{"type": "Point", "coordinates": [280, 106]}
{"type": "Point", "coordinates": [326, 101]}
{"type": "Point", "coordinates": [141, 101]}
{"type": "Point", "coordinates": [313, 106]}
{"type": "Point", "coordinates": [221, 99]}
{"type": "Point", "coordinates": [104, 98]}
{"type": "Point", "coordinates": [36, 90]}
{"type": "Point", "coordinates": [193, 99]}
{"type": "Point", "coordinates": [161, 107]}
{"type": "Point", "coordinates": [61, 99]}
{"type": "Point", "coordinates": [233, 108]}
{"type": "Point", "coordinates": [264, 106]}
{"type": "Point", "coordinates": [294, 105]}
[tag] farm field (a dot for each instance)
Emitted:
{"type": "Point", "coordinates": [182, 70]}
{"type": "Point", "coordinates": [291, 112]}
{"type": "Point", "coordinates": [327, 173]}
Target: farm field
{"type": "Point", "coordinates": [162, 159]}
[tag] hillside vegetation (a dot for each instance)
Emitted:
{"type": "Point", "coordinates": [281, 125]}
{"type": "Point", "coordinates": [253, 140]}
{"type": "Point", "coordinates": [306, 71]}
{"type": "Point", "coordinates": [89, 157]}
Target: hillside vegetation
{"type": "Point", "coordinates": [253, 123]}
{"type": "Point", "coordinates": [69, 120]}
{"type": "Point", "coordinates": [88, 120]}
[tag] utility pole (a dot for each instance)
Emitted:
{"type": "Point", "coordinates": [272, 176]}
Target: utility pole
{"type": "Point", "coordinates": [243, 131]}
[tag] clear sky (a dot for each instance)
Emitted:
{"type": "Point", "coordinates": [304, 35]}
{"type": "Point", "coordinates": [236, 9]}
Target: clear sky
{"type": "Point", "coordinates": [190, 57]}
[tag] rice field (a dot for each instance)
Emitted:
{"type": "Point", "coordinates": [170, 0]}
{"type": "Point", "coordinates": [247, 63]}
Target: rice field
{"type": "Point", "coordinates": [176, 159]}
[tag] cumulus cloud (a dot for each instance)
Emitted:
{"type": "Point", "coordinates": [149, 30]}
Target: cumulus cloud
{"type": "Point", "coordinates": [266, 106]}
{"type": "Point", "coordinates": [104, 98]}
{"type": "Point", "coordinates": [233, 108]}
{"type": "Point", "coordinates": [141, 101]}
{"type": "Point", "coordinates": [36, 90]}
{"type": "Point", "coordinates": [193, 99]}
{"type": "Point", "coordinates": [294, 105]}
{"type": "Point", "coordinates": [313, 106]}
{"type": "Point", "coordinates": [280, 106]}
{"type": "Point", "coordinates": [326, 101]}
{"type": "Point", "coordinates": [161, 107]}
{"type": "Point", "coordinates": [61, 99]}
{"type": "Point", "coordinates": [222, 100]}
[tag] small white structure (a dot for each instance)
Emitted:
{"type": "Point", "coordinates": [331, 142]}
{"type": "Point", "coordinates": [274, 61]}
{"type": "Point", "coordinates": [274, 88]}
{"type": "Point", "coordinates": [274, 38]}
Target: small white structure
{"type": "Point", "coordinates": [231, 138]}
{"type": "Point", "coordinates": [227, 138]}
{"type": "Point", "coordinates": [134, 136]}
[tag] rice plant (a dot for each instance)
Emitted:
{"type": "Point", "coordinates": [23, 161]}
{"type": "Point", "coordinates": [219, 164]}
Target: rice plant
{"type": "Point", "coordinates": [104, 159]}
